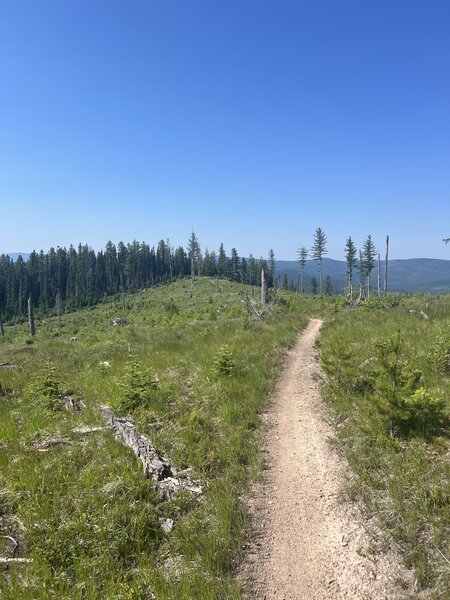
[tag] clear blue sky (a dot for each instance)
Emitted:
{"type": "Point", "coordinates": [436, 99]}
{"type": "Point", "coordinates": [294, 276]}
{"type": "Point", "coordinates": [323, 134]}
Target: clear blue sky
{"type": "Point", "coordinates": [252, 121]}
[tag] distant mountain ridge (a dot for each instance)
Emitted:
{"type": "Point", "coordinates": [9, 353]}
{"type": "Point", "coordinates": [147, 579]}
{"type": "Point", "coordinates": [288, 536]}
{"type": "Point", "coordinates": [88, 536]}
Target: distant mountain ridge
{"type": "Point", "coordinates": [430, 275]}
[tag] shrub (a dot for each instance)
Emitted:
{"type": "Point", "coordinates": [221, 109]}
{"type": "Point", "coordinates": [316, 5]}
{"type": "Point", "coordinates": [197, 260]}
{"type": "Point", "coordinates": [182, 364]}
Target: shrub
{"type": "Point", "coordinates": [223, 362]}
{"type": "Point", "coordinates": [138, 386]}
{"type": "Point", "coordinates": [44, 387]}
{"type": "Point", "coordinates": [400, 395]}
{"type": "Point", "coordinates": [171, 308]}
{"type": "Point", "coordinates": [426, 413]}
{"type": "Point", "coordinates": [438, 353]}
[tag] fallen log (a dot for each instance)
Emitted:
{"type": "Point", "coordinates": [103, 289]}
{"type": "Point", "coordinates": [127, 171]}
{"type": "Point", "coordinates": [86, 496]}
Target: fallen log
{"type": "Point", "coordinates": [155, 466]}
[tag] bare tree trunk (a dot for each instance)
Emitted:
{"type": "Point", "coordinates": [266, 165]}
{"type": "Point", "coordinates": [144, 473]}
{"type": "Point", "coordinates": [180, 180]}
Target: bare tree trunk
{"type": "Point", "coordinates": [170, 265]}
{"type": "Point", "coordinates": [263, 287]}
{"type": "Point", "coordinates": [1, 329]}
{"type": "Point", "coordinates": [301, 281]}
{"type": "Point", "coordinates": [386, 265]}
{"type": "Point", "coordinates": [321, 278]}
{"type": "Point", "coordinates": [298, 282]}
{"type": "Point", "coordinates": [192, 275]}
{"type": "Point", "coordinates": [58, 308]}
{"type": "Point", "coordinates": [379, 276]}
{"type": "Point", "coordinates": [368, 285]}
{"type": "Point", "coordinates": [361, 291]}
{"type": "Point", "coordinates": [30, 318]}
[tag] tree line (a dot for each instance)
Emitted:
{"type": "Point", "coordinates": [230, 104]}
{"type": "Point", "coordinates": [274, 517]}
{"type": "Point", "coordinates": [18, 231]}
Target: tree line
{"type": "Point", "coordinates": [72, 278]}
{"type": "Point", "coordinates": [360, 264]}
{"type": "Point", "coordinates": [67, 279]}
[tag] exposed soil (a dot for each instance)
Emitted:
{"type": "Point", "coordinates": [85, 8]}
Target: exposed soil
{"type": "Point", "coordinates": [304, 543]}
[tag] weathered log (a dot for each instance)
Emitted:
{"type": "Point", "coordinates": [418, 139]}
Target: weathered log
{"type": "Point", "coordinates": [155, 466]}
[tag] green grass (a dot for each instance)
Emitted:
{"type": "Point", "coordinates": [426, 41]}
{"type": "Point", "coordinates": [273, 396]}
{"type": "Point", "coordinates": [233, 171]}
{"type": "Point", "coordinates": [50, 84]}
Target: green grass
{"type": "Point", "coordinates": [196, 380]}
{"type": "Point", "coordinates": [80, 508]}
{"type": "Point", "coordinates": [398, 448]}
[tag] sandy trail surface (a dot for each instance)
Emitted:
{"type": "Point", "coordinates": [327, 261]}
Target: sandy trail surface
{"type": "Point", "coordinates": [304, 544]}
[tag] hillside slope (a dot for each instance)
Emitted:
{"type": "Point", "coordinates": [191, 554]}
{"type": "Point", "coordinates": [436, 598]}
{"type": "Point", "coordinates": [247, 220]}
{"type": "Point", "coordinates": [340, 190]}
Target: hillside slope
{"type": "Point", "coordinates": [193, 373]}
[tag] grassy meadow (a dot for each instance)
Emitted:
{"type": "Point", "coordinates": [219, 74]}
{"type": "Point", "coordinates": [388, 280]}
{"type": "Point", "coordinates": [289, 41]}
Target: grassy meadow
{"type": "Point", "coordinates": [194, 373]}
{"type": "Point", "coordinates": [387, 376]}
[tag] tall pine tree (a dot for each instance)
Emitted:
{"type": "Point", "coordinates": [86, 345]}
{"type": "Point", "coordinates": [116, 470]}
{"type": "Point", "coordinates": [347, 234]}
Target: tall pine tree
{"type": "Point", "coordinates": [302, 254]}
{"type": "Point", "coordinates": [368, 256]}
{"type": "Point", "coordinates": [318, 250]}
{"type": "Point", "coordinates": [351, 259]}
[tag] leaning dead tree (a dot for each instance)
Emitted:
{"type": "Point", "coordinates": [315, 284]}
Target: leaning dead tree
{"type": "Point", "coordinates": [31, 329]}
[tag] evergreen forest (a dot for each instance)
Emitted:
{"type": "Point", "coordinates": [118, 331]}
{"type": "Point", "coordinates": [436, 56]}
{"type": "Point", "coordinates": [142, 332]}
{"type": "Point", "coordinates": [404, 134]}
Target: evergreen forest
{"type": "Point", "coordinates": [81, 277]}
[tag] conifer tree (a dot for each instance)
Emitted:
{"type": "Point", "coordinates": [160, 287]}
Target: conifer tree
{"type": "Point", "coordinates": [243, 271]}
{"type": "Point", "coordinates": [251, 270]}
{"type": "Point", "coordinates": [352, 262]}
{"type": "Point", "coordinates": [368, 257]}
{"type": "Point", "coordinates": [318, 250]}
{"type": "Point", "coordinates": [235, 264]}
{"type": "Point", "coordinates": [222, 261]}
{"type": "Point", "coordinates": [362, 275]}
{"type": "Point", "coordinates": [328, 286]}
{"type": "Point", "coordinates": [194, 254]}
{"type": "Point", "coordinates": [313, 284]}
{"type": "Point", "coordinates": [272, 267]}
{"type": "Point", "coordinates": [302, 254]}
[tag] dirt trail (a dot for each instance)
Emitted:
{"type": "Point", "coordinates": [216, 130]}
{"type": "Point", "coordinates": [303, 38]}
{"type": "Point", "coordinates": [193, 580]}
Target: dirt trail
{"type": "Point", "coordinates": [304, 544]}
